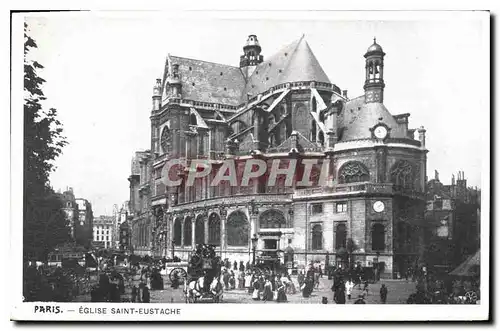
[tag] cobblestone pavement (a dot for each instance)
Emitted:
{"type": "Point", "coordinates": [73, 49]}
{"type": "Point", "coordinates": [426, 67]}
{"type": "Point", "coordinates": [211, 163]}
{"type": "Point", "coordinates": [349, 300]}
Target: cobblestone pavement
{"type": "Point", "coordinates": [398, 293]}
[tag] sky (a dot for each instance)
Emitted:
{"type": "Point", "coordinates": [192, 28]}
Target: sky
{"type": "Point", "coordinates": [100, 69]}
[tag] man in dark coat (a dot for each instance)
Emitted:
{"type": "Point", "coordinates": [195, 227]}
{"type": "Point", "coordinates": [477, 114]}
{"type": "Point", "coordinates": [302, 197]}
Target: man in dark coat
{"type": "Point", "coordinates": [145, 295]}
{"type": "Point", "coordinates": [235, 265]}
{"type": "Point", "coordinates": [383, 293]}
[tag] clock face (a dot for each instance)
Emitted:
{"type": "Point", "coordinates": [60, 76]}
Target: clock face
{"type": "Point", "coordinates": [378, 206]}
{"type": "Point", "coordinates": [380, 132]}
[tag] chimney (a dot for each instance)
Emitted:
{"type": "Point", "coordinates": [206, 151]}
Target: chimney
{"type": "Point", "coordinates": [344, 93]}
{"type": "Point", "coordinates": [453, 179]}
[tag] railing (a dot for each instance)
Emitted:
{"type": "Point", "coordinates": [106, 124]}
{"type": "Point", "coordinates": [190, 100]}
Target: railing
{"type": "Point", "coordinates": [381, 188]}
{"type": "Point", "coordinates": [235, 199]}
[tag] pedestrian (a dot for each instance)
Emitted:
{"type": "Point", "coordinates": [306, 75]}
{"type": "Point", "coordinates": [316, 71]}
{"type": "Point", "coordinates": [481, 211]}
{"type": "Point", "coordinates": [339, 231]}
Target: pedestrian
{"type": "Point", "coordinates": [242, 266]}
{"type": "Point", "coordinates": [225, 279]}
{"type": "Point", "coordinates": [339, 296]}
{"type": "Point", "coordinates": [134, 293]}
{"type": "Point", "coordinates": [255, 287]}
{"type": "Point", "coordinates": [248, 265]}
{"type": "Point", "coordinates": [383, 293]}
{"type": "Point", "coordinates": [300, 278]}
{"type": "Point", "coordinates": [235, 265]}
{"type": "Point", "coordinates": [268, 291]}
{"type": "Point", "coordinates": [349, 285]}
{"type": "Point", "coordinates": [291, 285]}
{"type": "Point", "coordinates": [281, 292]}
{"type": "Point", "coordinates": [232, 280]}
{"type": "Point", "coordinates": [365, 288]}
{"type": "Point", "coordinates": [145, 295]}
{"type": "Point", "coordinates": [320, 272]}
{"type": "Point", "coordinates": [241, 280]}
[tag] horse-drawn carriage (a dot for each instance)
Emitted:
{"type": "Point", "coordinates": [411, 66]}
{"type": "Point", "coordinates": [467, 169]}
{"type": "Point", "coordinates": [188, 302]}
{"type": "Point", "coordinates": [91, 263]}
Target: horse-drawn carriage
{"type": "Point", "coordinates": [203, 283]}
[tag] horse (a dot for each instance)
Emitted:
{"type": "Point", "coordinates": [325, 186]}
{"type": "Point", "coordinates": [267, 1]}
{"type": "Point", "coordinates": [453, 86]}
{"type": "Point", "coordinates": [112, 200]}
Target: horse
{"type": "Point", "coordinates": [194, 290]}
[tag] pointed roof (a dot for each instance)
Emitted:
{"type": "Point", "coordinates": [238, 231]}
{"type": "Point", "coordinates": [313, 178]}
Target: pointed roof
{"type": "Point", "coordinates": [294, 62]}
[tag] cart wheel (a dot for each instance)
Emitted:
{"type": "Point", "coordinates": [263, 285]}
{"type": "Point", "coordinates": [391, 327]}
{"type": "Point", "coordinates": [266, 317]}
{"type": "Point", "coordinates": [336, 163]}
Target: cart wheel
{"type": "Point", "coordinates": [181, 275]}
{"type": "Point", "coordinates": [471, 296]}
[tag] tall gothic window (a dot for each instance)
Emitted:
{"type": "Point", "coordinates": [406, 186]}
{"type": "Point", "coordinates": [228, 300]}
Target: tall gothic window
{"type": "Point", "coordinates": [166, 140]}
{"type": "Point", "coordinates": [378, 237]}
{"type": "Point", "coordinates": [214, 229]}
{"type": "Point", "coordinates": [353, 172]}
{"type": "Point", "coordinates": [199, 230]}
{"type": "Point", "coordinates": [237, 229]}
{"type": "Point", "coordinates": [402, 174]}
{"type": "Point", "coordinates": [272, 219]}
{"type": "Point", "coordinates": [341, 236]}
{"type": "Point", "coordinates": [188, 230]}
{"type": "Point", "coordinates": [178, 231]}
{"type": "Point", "coordinates": [317, 237]}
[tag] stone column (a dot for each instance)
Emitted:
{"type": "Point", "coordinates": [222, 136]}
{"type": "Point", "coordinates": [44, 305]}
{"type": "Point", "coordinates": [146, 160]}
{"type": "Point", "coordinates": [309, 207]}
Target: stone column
{"type": "Point", "coordinates": [223, 216]}
{"type": "Point", "coordinates": [206, 226]}
{"type": "Point", "coordinates": [193, 229]}
{"type": "Point", "coordinates": [182, 233]}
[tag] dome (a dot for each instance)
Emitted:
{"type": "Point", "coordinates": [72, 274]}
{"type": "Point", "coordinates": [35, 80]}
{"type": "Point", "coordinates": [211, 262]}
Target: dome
{"type": "Point", "coordinates": [252, 40]}
{"type": "Point", "coordinates": [370, 115]}
{"type": "Point", "coordinates": [375, 47]}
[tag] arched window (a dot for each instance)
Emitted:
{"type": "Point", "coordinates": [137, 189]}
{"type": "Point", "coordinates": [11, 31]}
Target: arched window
{"type": "Point", "coordinates": [313, 104]}
{"type": "Point", "coordinates": [178, 232]}
{"type": "Point", "coordinates": [402, 174]}
{"type": "Point", "coordinates": [188, 231]}
{"type": "Point", "coordinates": [214, 229]}
{"type": "Point", "coordinates": [199, 230]}
{"type": "Point", "coordinates": [341, 236]}
{"type": "Point", "coordinates": [237, 229]}
{"type": "Point", "coordinates": [193, 120]}
{"type": "Point", "coordinates": [353, 172]}
{"type": "Point", "coordinates": [272, 219]}
{"type": "Point", "coordinates": [317, 237]}
{"type": "Point", "coordinates": [166, 139]}
{"type": "Point", "coordinates": [378, 237]}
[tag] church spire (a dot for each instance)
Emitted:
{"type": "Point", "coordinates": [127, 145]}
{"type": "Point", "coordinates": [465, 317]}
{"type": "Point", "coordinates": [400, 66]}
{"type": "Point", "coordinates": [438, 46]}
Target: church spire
{"type": "Point", "coordinates": [374, 82]}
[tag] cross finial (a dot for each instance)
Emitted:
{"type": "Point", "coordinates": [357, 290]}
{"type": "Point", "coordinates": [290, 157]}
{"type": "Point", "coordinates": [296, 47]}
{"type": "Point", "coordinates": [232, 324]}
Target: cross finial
{"type": "Point", "coordinates": [374, 40]}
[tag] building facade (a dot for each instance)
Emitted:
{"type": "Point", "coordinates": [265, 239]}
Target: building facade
{"type": "Point", "coordinates": [104, 232]}
{"type": "Point", "coordinates": [283, 111]}
{"type": "Point", "coordinates": [453, 216]}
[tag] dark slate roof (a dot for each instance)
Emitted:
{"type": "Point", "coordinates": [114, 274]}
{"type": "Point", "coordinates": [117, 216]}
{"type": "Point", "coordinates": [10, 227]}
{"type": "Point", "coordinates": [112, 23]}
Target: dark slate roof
{"type": "Point", "coordinates": [213, 82]}
{"type": "Point", "coordinates": [294, 62]}
{"type": "Point", "coordinates": [220, 83]}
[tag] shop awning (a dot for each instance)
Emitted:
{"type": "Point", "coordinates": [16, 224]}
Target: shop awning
{"type": "Point", "coordinates": [469, 268]}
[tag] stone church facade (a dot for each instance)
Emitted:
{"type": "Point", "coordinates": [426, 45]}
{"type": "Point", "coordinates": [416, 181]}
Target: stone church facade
{"type": "Point", "coordinates": [279, 109]}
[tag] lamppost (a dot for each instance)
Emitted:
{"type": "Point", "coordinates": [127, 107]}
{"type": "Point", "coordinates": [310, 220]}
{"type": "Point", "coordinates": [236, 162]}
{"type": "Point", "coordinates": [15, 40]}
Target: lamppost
{"type": "Point", "coordinates": [254, 246]}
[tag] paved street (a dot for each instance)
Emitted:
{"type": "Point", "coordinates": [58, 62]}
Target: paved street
{"type": "Point", "coordinates": [399, 290]}
{"type": "Point", "coordinates": [398, 293]}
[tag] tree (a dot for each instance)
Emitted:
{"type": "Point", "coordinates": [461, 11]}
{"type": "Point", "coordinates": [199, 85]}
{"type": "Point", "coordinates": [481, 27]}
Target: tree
{"type": "Point", "coordinates": [44, 222]}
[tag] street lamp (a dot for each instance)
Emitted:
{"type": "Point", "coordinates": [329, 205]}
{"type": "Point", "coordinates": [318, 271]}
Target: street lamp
{"type": "Point", "coordinates": [254, 246]}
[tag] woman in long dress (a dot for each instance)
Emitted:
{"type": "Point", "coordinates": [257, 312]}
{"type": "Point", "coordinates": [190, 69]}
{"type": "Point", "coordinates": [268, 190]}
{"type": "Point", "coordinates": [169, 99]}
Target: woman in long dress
{"type": "Point", "coordinates": [255, 286]}
{"type": "Point", "coordinates": [268, 291]}
{"type": "Point", "coordinates": [281, 292]}
{"type": "Point", "coordinates": [290, 285]}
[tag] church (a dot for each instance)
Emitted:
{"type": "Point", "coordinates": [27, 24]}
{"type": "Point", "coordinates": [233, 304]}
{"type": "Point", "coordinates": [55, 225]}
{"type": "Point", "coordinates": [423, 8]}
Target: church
{"type": "Point", "coordinates": [281, 109]}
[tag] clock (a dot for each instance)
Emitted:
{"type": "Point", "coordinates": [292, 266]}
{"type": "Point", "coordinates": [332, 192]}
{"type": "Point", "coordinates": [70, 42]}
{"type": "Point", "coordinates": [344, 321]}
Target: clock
{"type": "Point", "coordinates": [378, 206]}
{"type": "Point", "coordinates": [380, 132]}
